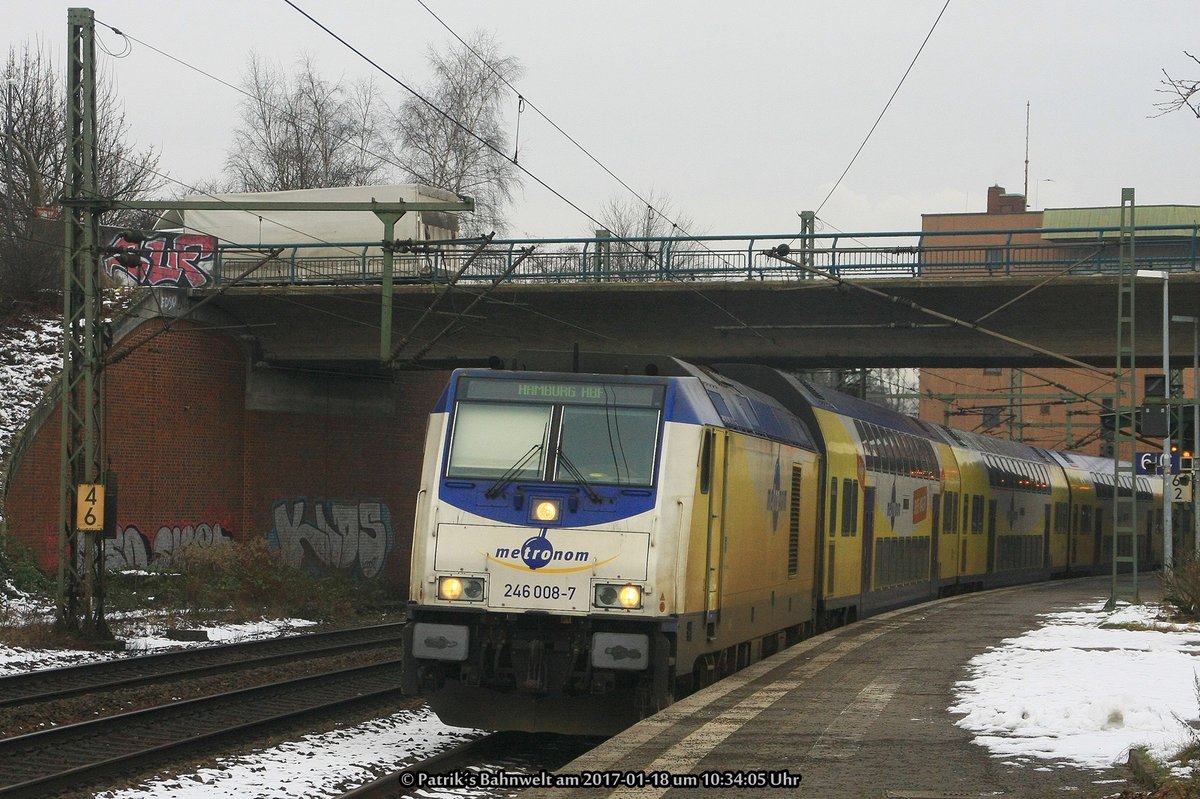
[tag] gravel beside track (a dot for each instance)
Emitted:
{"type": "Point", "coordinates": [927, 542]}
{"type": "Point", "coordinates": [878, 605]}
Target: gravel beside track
{"type": "Point", "coordinates": [33, 764]}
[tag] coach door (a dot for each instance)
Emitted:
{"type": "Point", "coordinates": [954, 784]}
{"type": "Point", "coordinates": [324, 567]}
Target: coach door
{"type": "Point", "coordinates": [868, 542]}
{"type": "Point", "coordinates": [715, 461]}
{"type": "Point", "coordinates": [1046, 540]}
{"type": "Point", "coordinates": [991, 535]}
{"type": "Point", "coordinates": [935, 566]}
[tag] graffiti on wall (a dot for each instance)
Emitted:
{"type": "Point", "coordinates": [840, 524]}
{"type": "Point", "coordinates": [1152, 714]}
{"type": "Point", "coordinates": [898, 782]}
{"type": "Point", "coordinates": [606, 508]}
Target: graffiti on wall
{"type": "Point", "coordinates": [183, 260]}
{"type": "Point", "coordinates": [348, 535]}
{"type": "Point", "coordinates": [133, 549]}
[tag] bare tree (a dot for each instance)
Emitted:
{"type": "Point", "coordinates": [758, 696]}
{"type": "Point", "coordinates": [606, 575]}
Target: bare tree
{"type": "Point", "coordinates": [305, 132]}
{"type": "Point", "coordinates": [1181, 92]}
{"type": "Point", "coordinates": [32, 170]}
{"type": "Point", "coordinates": [630, 221]}
{"type": "Point", "coordinates": [896, 388]}
{"type": "Point", "coordinates": [458, 140]}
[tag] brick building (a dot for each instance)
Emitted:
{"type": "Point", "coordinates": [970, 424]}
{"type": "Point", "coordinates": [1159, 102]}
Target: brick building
{"type": "Point", "coordinates": [1050, 407]}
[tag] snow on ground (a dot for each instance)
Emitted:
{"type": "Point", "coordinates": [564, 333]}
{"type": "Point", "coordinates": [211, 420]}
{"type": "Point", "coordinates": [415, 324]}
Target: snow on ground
{"type": "Point", "coordinates": [143, 638]}
{"type": "Point", "coordinates": [30, 357]}
{"type": "Point", "coordinates": [140, 634]}
{"type": "Point", "coordinates": [1080, 691]}
{"type": "Point", "coordinates": [321, 764]}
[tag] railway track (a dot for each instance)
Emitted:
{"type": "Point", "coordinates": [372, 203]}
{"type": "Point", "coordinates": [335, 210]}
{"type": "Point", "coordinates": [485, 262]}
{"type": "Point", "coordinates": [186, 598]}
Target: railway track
{"type": "Point", "coordinates": [34, 764]}
{"type": "Point", "coordinates": [48, 684]}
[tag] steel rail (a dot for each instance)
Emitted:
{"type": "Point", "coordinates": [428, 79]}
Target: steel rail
{"type": "Point", "coordinates": [49, 684]}
{"type": "Point", "coordinates": [34, 764]}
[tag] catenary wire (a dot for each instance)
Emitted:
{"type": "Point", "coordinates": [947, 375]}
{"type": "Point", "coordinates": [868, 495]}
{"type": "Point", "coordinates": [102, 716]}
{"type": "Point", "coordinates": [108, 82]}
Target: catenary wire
{"type": "Point", "coordinates": [886, 105]}
{"type": "Point", "coordinates": [490, 146]}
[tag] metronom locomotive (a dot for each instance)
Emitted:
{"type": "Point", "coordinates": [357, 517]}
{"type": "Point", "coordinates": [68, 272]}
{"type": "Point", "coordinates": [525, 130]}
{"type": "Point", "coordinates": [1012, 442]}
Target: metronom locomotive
{"type": "Point", "coordinates": [593, 542]}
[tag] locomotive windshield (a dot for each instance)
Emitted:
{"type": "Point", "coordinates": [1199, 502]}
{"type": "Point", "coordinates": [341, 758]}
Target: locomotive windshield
{"type": "Point", "coordinates": [559, 431]}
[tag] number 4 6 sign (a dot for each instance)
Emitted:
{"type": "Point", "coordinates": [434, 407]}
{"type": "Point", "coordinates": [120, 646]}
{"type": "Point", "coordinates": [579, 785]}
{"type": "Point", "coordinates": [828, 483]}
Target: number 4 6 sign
{"type": "Point", "coordinates": [89, 507]}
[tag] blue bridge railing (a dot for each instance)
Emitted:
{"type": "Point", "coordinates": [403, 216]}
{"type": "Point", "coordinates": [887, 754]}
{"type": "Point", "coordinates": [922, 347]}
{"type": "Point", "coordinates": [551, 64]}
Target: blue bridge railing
{"type": "Point", "coordinates": [943, 254]}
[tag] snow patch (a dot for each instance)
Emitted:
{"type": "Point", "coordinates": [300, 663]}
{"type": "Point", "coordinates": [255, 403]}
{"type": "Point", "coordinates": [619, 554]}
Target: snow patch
{"type": "Point", "coordinates": [1076, 692]}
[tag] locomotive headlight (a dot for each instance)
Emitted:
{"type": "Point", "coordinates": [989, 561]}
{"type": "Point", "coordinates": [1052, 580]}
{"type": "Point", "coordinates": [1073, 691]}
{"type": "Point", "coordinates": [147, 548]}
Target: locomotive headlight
{"type": "Point", "coordinates": [465, 588]}
{"type": "Point", "coordinates": [546, 510]}
{"type": "Point", "coordinates": [450, 588]}
{"type": "Point", "coordinates": [627, 596]}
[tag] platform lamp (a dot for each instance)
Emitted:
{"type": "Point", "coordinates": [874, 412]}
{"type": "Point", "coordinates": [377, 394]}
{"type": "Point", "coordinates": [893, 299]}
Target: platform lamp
{"type": "Point", "coordinates": [1195, 321]}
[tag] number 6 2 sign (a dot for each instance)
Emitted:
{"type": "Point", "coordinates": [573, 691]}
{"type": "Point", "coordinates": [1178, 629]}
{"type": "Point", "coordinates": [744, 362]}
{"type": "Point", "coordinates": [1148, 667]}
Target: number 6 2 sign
{"type": "Point", "coordinates": [89, 507]}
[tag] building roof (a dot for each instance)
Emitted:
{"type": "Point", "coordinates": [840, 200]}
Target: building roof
{"type": "Point", "coordinates": [1187, 216]}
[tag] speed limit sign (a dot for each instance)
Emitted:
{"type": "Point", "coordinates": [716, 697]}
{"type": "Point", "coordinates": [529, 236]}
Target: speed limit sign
{"type": "Point", "coordinates": [89, 507]}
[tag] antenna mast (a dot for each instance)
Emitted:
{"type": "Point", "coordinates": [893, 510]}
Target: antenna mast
{"type": "Point", "coordinates": [1026, 154]}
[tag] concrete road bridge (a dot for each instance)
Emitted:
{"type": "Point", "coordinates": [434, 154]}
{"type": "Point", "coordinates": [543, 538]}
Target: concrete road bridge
{"type": "Point", "coordinates": [986, 298]}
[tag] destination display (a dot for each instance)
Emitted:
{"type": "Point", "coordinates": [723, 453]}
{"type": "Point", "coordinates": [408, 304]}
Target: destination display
{"type": "Point", "coordinates": [566, 393]}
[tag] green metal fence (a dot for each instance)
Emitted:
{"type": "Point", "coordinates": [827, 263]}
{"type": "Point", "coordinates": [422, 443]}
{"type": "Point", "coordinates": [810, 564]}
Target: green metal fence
{"type": "Point", "coordinates": [928, 255]}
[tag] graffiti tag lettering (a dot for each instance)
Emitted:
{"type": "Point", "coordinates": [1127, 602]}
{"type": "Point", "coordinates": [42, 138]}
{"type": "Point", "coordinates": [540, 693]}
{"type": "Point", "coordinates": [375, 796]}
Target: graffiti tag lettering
{"type": "Point", "coordinates": [132, 549]}
{"type": "Point", "coordinates": [184, 260]}
{"type": "Point", "coordinates": [343, 534]}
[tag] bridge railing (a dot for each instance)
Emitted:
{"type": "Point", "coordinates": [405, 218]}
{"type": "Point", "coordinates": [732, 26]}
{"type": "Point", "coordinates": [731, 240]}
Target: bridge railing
{"type": "Point", "coordinates": [927, 255]}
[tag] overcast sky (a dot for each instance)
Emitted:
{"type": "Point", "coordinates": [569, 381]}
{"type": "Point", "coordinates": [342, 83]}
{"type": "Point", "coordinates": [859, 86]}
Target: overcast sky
{"type": "Point", "coordinates": [742, 113]}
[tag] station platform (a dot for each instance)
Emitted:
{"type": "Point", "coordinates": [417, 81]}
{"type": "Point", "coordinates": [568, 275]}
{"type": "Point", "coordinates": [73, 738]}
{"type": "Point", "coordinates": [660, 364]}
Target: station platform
{"type": "Point", "coordinates": [857, 712]}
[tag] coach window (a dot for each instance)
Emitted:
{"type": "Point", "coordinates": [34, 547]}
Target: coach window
{"type": "Point", "coordinates": [966, 514]}
{"type": "Point", "coordinates": [910, 455]}
{"type": "Point", "coordinates": [976, 514]}
{"type": "Point", "coordinates": [949, 518]}
{"type": "Point", "coordinates": [929, 462]}
{"type": "Point", "coordinates": [849, 507]}
{"type": "Point", "coordinates": [871, 446]}
{"type": "Point", "coordinates": [833, 506]}
{"type": "Point", "coordinates": [895, 457]}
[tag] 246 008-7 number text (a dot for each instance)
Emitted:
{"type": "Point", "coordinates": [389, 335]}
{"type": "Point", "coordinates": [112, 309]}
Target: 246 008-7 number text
{"type": "Point", "coordinates": [525, 591]}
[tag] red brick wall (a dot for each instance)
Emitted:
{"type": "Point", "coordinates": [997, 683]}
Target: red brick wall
{"type": "Point", "coordinates": [326, 478]}
{"type": "Point", "coordinates": [173, 435]}
{"type": "Point", "coordinates": [31, 499]}
{"type": "Point", "coordinates": [193, 463]}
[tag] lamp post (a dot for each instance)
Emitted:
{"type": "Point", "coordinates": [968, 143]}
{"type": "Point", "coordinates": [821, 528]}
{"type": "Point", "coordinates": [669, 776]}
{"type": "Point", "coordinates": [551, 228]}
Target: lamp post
{"type": "Point", "coordinates": [1037, 192]}
{"type": "Point", "coordinates": [1195, 320]}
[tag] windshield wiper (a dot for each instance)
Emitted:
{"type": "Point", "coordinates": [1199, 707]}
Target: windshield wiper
{"type": "Point", "coordinates": [511, 472]}
{"type": "Point", "coordinates": [579, 478]}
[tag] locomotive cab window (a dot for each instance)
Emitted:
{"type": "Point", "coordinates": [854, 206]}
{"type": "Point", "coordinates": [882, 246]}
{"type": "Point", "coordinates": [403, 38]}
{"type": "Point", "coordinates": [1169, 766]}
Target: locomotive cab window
{"type": "Point", "coordinates": [491, 439]}
{"type": "Point", "coordinates": [608, 445]}
{"type": "Point", "coordinates": [556, 431]}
